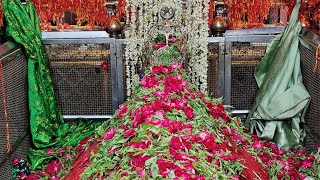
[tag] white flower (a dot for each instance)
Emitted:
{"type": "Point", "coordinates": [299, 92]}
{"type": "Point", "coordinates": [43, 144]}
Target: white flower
{"type": "Point", "coordinates": [144, 14]}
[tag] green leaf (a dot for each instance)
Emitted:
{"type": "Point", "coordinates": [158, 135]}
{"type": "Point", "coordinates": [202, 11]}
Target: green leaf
{"type": "Point", "coordinates": [154, 169]}
{"type": "Point", "coordinates": [217, 140]}
{"type": "Point", "coordinates": [124, 162]}
{"type": "Point", "coordinates": [110, 165]}
{"type": "Point", "coordinates": [101, 131]}
{"type": "Point", "coordinates": [153, 165]}
{"type": "Point", "coordinates": [159, 38]}
{"type": "Point", "coordinates": [116, 158]}
{"type": "Point", "coordinates": [172, 175]}
{"type": "Point", "coordinates": [121, 141]}
{"type": "Point", "coordinates": [150, 161]}
{"type": "Point", "coordinates": [227, 153]}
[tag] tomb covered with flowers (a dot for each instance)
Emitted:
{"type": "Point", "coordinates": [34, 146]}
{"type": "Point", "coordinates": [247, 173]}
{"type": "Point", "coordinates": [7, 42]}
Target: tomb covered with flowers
{"type": "Point", "coordinates": [165, 124]}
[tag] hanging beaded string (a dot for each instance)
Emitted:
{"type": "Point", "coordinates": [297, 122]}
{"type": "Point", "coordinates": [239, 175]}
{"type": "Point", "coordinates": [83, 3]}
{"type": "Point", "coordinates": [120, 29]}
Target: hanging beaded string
{"type": "Point", "coordinates": [5, 108]}
{"type": "Point", "coordinates": [317, 59]}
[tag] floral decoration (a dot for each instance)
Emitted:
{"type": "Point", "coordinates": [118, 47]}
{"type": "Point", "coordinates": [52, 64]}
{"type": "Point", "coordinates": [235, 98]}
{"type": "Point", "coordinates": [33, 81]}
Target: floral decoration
{"type": "Point", "coordinates": [1, 16]}
{"type": "Point", "coordinates": [170, 130]}
{"type": "Point", "coordinates": [309, 12]}
{"type": "Point", "coordinates": [250, 14]}
{"type": "Point", "coordinates": [89, 13]}
{"type": "Point", "coordinates": [142, 16]}
{"type": "Point", "coordinates": [57, 168]}
{"type": "Point", "coordinates": [198, 15]}
{"type": "Point", "coordinates": [193, 21]}
{"type": "Point", "coordinates": [243, 13]}
{"type": "Point", "coordinates": [121, 9]}
{"type": "Point", "coordinates": [211, 12]}
{"type": "Point", "coordinates": [21, 170]}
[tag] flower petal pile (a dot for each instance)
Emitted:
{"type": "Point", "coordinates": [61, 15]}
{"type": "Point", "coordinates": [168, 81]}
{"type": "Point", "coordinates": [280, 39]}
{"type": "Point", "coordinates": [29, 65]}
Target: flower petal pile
{"type": "Point", "coordinates": [169, 130]}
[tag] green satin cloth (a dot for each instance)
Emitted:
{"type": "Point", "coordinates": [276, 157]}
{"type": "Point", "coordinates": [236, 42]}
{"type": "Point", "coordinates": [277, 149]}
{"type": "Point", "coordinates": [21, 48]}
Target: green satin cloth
{"type": "Point", "coordinates": [282, 99]}
{"type": "Point", "coordinates": [46, 119]}
{"type": "Point", "coordinates": [46, 123]}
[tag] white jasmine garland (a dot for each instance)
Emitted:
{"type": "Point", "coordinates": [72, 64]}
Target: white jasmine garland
{"type": "Point", "coordinates": [197, 18]}
{"type": "Point", "coordinates": [194, 20]}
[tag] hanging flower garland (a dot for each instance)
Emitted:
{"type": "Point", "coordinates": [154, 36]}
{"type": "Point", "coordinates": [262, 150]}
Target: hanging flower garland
{"type": "Point", "coordinates": [130, 53]}
{"type": "Point", "coordinates": [91, 12]}
{"type": "Point", "coordinates": [211, 12]}
{"type": "Point", "coordinates": [197, 15]}
{"type": "Point", "coordinates": [244, 13]}
{"type": "Point", "coordinates": [250, 13]}
{"type": "Point", "coordinates": [309, 12]}
{"type": "Point", "coordinates": [241, 13]}
{"type": "Point", "coordinates": [121, 9]}
{"type": "Point", "coordinates": [143, 15]}
{"type": "Point", "coordinates": [1, 16]}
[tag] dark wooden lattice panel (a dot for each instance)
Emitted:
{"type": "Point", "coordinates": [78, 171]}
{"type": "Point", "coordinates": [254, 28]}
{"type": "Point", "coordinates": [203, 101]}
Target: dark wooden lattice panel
{"type": "Point", "coordinates": [311, 81]}
{"type": "Point", "coordinates": [83, 87]}
{"type": "Point", "coordinates": [213, 70]}
{"type": "Point", "coordinates": [244, 58]}
{"type": "Point", "coordinates": [15, 85]}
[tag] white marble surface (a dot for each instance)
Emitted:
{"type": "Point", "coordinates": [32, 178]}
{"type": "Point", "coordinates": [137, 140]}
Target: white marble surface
{"type": "Point", "coordinates": [74, 34]}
